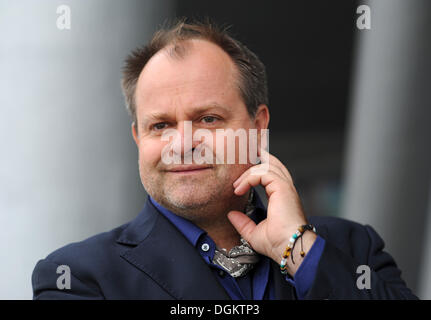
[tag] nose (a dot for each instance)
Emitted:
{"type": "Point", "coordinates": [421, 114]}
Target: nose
{"type": "Point", "coordinates": [184, 141]}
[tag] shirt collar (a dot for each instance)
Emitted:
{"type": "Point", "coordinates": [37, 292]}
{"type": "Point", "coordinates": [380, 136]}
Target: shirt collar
{"type": "Point", "coordinates": [193, 232]}
{"type": "Point", "coordinates": [187, 228]}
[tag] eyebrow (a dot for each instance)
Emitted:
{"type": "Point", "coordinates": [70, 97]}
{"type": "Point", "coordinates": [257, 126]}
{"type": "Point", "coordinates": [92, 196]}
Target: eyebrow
{"type": "Point", "coordinates": [207, 107]}
{"type": "Point", "coordinates": [157, 116]}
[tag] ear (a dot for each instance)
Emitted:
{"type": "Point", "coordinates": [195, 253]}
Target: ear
{"type": "Point", "coordinates": [135, 133]}
{"type": "Point", "coordinates": [261, 119]}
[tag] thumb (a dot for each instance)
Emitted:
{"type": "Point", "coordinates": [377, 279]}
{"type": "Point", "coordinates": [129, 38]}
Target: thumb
{"type": "Point", "coordinates": [243, 224]}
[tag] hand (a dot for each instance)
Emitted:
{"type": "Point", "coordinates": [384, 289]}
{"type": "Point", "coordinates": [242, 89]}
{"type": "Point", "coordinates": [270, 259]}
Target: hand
{"type": "Point", "coordinates": [284, 213]}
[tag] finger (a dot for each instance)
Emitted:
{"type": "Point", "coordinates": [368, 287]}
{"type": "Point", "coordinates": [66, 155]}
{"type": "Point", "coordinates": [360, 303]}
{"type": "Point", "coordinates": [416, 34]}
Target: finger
{"type": "Point", "coordinates": [243, 224]}
{"type": "Point", "coordinates": [278, 171]}
{"type": "Point", "coordinates": [274, 164]}
{"type": "Point", "coordinates": [266, 157]}
{"type": "Point", "coordinates": [244, 175]}
{"type": "Point", "coordinates": [254, 180]}
{"type": "Point", "coordinates": [248, 172]}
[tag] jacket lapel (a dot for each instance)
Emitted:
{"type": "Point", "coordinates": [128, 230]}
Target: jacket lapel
{"type": "Point", "coordinates": [165, 255]}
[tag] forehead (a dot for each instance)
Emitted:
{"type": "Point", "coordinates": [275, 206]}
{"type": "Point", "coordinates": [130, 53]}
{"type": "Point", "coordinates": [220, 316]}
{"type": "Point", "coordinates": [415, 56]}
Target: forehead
{"type": "Point", "coordinates": [204, 74]}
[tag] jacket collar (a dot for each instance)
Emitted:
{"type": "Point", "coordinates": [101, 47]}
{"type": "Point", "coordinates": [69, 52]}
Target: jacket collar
{"type": "Point", "coordinates": [139, 228]}
{"type": "Point", "coordinates": [164, 254]}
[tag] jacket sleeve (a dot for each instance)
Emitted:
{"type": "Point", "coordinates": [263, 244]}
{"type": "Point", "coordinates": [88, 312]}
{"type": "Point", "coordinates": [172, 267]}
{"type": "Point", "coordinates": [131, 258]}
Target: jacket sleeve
{"type": "Point", "coordinates": [44, 282]}
{"type": "Point", "coordinates": [337, 275]}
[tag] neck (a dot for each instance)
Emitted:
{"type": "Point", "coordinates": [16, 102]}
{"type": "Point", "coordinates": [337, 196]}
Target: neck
{"type": "Point", "coordinates": [213, 218]}
{"type": "Point", "coordinates": [222, 232]}
{"type": "Point", "coordinates": [219, 227]}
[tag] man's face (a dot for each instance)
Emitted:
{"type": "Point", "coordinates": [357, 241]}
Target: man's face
{"type": "Point", "coordinates": [199, 88]}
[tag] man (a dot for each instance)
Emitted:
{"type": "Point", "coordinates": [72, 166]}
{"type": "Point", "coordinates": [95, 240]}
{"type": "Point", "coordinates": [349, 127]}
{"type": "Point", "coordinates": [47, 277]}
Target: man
{"type": "Point", "coordinates": [204, 233]}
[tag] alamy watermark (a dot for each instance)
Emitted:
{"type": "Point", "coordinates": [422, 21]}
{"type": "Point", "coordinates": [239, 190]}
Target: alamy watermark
{"type": "Point", "coordinates": [64, 20]}
{"type": "Point", "coordinates": [363, 22]}
{"type": "Point", "coordinates": [204, 147]}
{"type": "Point", "coordinates": [364, 280]}
{"type": "Point", "coordinates": [63, 281]}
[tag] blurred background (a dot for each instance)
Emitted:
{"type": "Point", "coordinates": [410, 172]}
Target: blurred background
{"type": "Point", "coordinates": [350, 117]}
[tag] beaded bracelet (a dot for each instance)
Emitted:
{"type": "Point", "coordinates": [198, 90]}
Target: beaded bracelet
{"type": "Point", "coordinates": [292, 241]}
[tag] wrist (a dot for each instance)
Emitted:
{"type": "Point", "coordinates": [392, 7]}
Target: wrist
{"type": "Point", "coordinates": [292, 252]}
{"type": "Point", "coordinates": [308, 239]}
{"type": "Point", "coordinates": [277, 251]}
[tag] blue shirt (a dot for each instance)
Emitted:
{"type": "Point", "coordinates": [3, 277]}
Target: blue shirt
{"type": "Point", "coordinates": [257, 283]}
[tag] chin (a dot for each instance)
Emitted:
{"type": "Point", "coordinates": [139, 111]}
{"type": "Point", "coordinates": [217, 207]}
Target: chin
{"type": "Point", "coordinates": [189, 200]}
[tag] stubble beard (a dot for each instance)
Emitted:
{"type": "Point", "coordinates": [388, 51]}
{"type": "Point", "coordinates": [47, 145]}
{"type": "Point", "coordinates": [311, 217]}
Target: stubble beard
{"type": "Point", "coordinates": [202, 199]}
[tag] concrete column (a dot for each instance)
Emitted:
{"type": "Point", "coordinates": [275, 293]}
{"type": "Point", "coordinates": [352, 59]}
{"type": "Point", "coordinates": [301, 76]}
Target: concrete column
{"type": "Point", "coordinates": [424, 287]}
{"type": "Point", "coordinates": [68, 165]}
{"type": "Point", "coordinates": [387, 169]}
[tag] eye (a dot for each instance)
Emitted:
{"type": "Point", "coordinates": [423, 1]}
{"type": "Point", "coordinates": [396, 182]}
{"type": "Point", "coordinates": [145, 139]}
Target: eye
{"type": "Point", "coordinates": [159, 126]}
{"type": "Point", "coordinates": [209, 119]}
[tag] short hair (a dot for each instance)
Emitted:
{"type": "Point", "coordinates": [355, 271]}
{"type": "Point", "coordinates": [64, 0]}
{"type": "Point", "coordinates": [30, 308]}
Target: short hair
{"type": "Point", "coordinates": [252, 82]}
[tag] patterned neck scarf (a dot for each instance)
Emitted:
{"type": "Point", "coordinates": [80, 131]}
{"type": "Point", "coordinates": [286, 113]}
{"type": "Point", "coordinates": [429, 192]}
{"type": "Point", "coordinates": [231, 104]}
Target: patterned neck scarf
{"type": "Point", "coordinates": [242, 258]}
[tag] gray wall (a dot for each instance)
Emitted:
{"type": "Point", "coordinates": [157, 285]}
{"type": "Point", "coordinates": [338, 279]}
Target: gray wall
{"type": "Point", "coordinates": [68, 165]}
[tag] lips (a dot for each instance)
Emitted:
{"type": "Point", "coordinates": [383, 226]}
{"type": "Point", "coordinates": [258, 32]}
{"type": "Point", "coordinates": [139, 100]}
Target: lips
{"type": "Point", "coordinates": [188, 168]}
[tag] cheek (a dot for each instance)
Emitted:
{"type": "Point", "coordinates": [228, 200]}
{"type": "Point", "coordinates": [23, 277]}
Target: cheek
{"type": "Point", "coordinates": [150, 152]}
{"type": "Point", "coordinates": [243, 148]}
{"type": "Point", "coordinates": [233, 172]}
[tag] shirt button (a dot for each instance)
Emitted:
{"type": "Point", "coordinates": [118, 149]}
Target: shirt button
{"type": "Point", "coordinates": [221, 273]}
{"type": "Point", "coordinates": [205, 247]}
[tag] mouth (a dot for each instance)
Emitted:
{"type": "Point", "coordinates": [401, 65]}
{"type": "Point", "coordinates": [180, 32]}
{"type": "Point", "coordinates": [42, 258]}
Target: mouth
{"type": "Point", "coordinates": [189, 169]}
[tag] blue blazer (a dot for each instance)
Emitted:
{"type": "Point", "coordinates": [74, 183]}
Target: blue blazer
{"type": "Point", "coordinates": [148, 258]}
